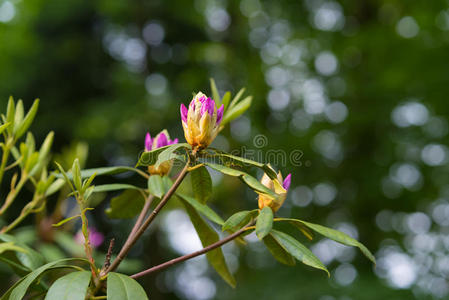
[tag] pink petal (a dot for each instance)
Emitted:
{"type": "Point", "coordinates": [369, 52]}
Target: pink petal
{"type": "Point", "coordinates": [184, 113]}
{"type": "Point", "coordinates": [148, 142]}
{"type": "Point", "coordinates": [287, 181]}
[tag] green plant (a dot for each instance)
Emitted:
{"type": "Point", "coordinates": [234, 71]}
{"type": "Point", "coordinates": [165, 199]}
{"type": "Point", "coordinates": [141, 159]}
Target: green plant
{"type": "Point", "coordinates": [202, 121]}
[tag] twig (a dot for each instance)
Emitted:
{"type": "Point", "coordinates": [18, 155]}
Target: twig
{"type": "Point", "coordinates": [192, 255]}
{"type": "Point", "coordinates": [107, 260]}
{"type": "Point", "coordinates": [141, 217]}
{"type": "Point", "coordinates": [130, 242]}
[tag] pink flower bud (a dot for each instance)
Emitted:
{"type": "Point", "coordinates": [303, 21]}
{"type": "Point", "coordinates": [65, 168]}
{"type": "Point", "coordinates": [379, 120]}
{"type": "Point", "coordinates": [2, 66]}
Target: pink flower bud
{"type": "Point", "coordinates": [279, 186]}
{"type": "Point", "coordinates": [161, 140]}
{"type": "Point", "coordinates": [202, 120]}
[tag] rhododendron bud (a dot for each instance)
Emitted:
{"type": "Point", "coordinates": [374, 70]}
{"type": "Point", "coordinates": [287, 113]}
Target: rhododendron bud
{"type": "Point", "coordinates": [279, 186]}
{"type": "Point", "coordinates": [201, 121]}
{"type": "Point", "coordinates": [161, 140]}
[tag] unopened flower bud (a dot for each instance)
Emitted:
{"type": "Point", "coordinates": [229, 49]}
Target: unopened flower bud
{"type": "Point", "coordinates": [201, 121]}
{"type": "Point", "coordinates": [279, 186]}
{"type": "Point", "coordinates": [161, 140]}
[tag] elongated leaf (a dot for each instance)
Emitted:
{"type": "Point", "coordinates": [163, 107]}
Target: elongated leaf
{"type": "Point", "coordinates": [167, 183]}
{"type": "Point", "coordinates": [169, 153]}
{"type": "Point", "coordinates": [278, 252]}
{"type": "Point", "coordinates": [4, 126]}
{"type": "Point", "coordinates": [125, 206]}
{"type": "Point", "coordinates": [123, 287]}
{"type": "Point", "coordinates": [230, 159]}
{"type": "Point", "coordinates": [202, 209]}
{"type": "Point", "coordinates": [239, 219]}
{"type": "Point", "coordinates": [236, 98]}
{"type": "Point", "coordinates": [208, 236]}
{"type": "Point", "coordinates": [340, 237]}
{"type": "Point", "coordinates": [18, 117]}
{"type": "Point", "coordinates": [298, 250]}
{"type": "Point", "coordinates": [30, 259]}
{"type": "Point", "coordinates": [248, 179]}
{"type": "Point", "coordinates": [101, 171]}
{"type": "Point", "coordinates": [55, 186]}
{"type": "Point", "coordinates": [72, 286]}
{"type": "Point", "coordinates": [65, 176]}
{"type": "Point", "coordinates": [20, 290]}
{"type": "Point", "coordinates": [225, 170]}
{"type": "Point", "coordinates": [201, 184]}
{"type": "Point", "coordinates": [26, 123]}
{"type": "Point", "coordinates": [237, 110]}
{"type": "Point", "coordinates": [264, 222]}
{"type": "Point", "coordinates": [299, 225]}
{"type": "Point", "coordinates": [156, 186]}
{"type": "Point", "coordinates": [10, 114]}
{"type": "Point", "coordinates": [225, 100]}
{"type": "Point", "coordinates": [115, 187]}
{"type": "Point", "coordinates": [149, 158]}
{"type": "Point", "coordinates": [214, 91]}
{"type": "Point", "coordinates": [66, 220]}
{"type": "Point", "coordinates": [76, 171]}
{"type": "Point", "coordinates": [257, 186]}
{"type": "Point", "coordinates": [10, 246]}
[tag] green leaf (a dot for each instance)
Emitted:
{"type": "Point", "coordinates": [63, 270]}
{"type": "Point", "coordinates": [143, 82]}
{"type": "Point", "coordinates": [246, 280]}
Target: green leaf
{"type": "Point", "coordinates": [237, 110]}
{"type": "Point", "coordinates": [156, 186]}
{"type": "Point", "coordinates": [214, 91]}
{"type": "Point", "coordinates": [26, 123]}
{"type": "Point", "coordinates": [340, 237]}
{"type": "Point", "coordinates": [76, 171]}
{"type": "Point", "coordinates": [167, 183]}
{"type": "Point", "coordinates": [225, 100]}
{"type": "Point", "coordinates": [88, 182]}
{"type": "Point", "coordinates": [298, 250]}
{"type": "Point", "coordinates": [30, 259]}
{"type": "Point", "coordinates": [10, 246]}
{"type": "Point", "coordinates": [4, 126]}
{"type": "Point", "coordinates": [168, 153]}
{"type": "Point", "coordinates": [248, 179]}
{"type": "Point", "coordinates": [66, 220]}
{"type": "Point", "coordinates": [18, 117]}
{"type": "Point", "coordinates": [201, 184]}
{"type": "Point", "coordinates": [236, 98]}
{"type": "Point", "coordinates": [202, 208]}
{"type": "Point", "coordinates": [122, 287]}
{"type": "Point", "coordinates": [230, 160]}
{"type": "Point", "coordinates": [65, 175]}
{"type": "Point", "coordinates": [264, 222]}
{"type": "Point", "coordinates": [278, 252]}
{"type": "Point", "coordinates": [43, 153]}
{"type": "Point", "coordinates": [101, 171]}
{"type": "Point", "coordinates": [19, 291]}
{"type": "Point", "coordinates": [208, 236]}
{"type": "Point", "coordinates": [225, 170]}
{"type": "Point", "coordinates": [257, 186]}
{"type": "Point", "coordinates": [239, 219]}
{"type": "Point", "coordinates": [54, 187]}
{"type": "Point", "coordinates": [114, 187]}
{"type": "Point", "coordinates": [125, 206]}
{"type": "Point", "coordinates": [72, 286]}
{"type": "Point", "coordinates": [10, 114]}
{"type": "Point", "coordinates": [149, 158]}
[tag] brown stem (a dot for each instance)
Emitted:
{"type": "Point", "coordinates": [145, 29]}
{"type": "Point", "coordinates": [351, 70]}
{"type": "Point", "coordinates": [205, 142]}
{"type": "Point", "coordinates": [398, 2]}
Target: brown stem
{"type": "Point", "coordinates": [141, 217]}
{"type": "Point", "coordinates": [191, 255]}
{"type": "Point", "coordinates": [130, 243]}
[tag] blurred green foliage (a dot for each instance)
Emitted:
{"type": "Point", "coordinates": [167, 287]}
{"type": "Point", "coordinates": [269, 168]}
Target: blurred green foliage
{"type": "Point", "coordinates": [359, 87]}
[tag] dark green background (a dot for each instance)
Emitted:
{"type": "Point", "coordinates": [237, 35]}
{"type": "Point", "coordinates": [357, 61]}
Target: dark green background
{"type": "Point", "coordinates": [73, 55]}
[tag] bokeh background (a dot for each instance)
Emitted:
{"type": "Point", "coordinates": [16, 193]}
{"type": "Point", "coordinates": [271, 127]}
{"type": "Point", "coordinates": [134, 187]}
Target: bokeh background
{"type": "Point", "coordinates": [359, 87]}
